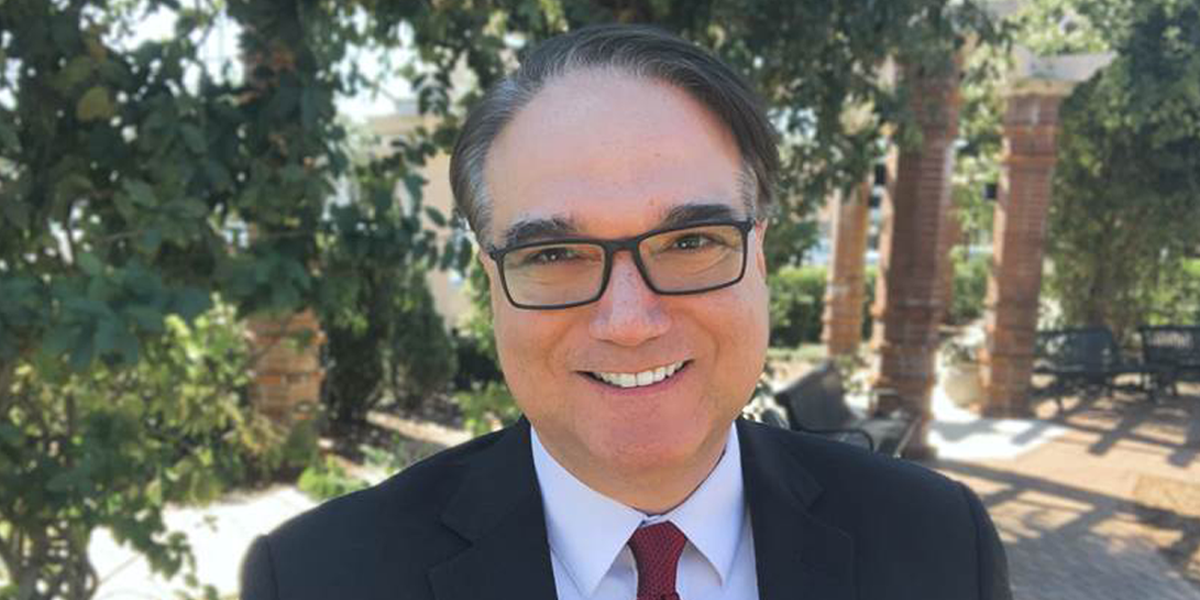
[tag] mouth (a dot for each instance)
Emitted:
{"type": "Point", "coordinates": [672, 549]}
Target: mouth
{"type": "Point", "coordinates": [645, 378]}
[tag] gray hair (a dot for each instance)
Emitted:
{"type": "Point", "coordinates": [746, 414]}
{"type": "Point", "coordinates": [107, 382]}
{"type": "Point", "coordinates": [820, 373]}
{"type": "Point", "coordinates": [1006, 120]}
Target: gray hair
{"type": "Point", "coordinates": [637, 50]}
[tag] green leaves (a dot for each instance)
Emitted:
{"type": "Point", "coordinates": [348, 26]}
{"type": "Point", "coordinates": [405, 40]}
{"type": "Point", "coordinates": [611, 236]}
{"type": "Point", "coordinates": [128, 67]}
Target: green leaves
{"type": "Point", "coordinates": [90, 264]}
{"type": "Point", "coordinates": [193, 137]}
{"type": "Point", "coordinates": [22, 306]}
{"type": "Point", "coordinates": [139, 194]}
{"type": "Point", "coordinates": [8, 138]}
{"type": "Point", "coordinates": [1127, 183]}
{"type": "Point", "coordinates": [129, 180]}
{"type": "Point", "coordinates": [190, 302]}
{"type": "Point", "coordinates": [95, 104]}
{"type": "Point", "coordinates": [436, 216]}
{"type": "Point", "coordinates": [112, 447]}
{"type": "Point", "coordinates": [113, 337]}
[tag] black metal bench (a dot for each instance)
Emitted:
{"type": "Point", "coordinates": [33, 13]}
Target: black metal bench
{"type": "Point", "coordinates": [1082, 359]}
{"type": "Point", "coordinates": [1173, 354]}
{"type": "Point", "coordinates": [816, 404]}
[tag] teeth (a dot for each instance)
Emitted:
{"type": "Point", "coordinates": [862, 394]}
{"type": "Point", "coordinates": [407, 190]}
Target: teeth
{"type": "Point", "coordinates": [649, 377]}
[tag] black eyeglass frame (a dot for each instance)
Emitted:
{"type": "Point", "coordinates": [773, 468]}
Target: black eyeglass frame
{"type": "Point", "coordinates": [611, 247]}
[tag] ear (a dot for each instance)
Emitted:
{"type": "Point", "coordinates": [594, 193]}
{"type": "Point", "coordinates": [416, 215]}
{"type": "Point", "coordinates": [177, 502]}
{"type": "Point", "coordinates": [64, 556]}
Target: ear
{"type": "Point", "coordinates": [760, 238]}
{"type": "Point", "coordinates": [483, 262]}
{"type": "Point", "coordinates": [493, 276]}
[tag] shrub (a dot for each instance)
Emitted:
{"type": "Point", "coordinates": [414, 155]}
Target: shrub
{"type": "Point", "coordinates": [487, 406]}
{"type": "Point", "coordinates": [328, 479]}
{"type": "Point", "coordinates": [111, 447]}
{"type": "Point", "coordinates": [868, 323]}
{"type": "Point", "coordinates": [480, 393]}
{"type": "Point", "coordinates": [797, 302]}
{"type": "Point", "coordinates": [1177, 299]}
{"type": "Point", "coordinates": [970, 286]}
{"type": "Point", "coordinates": [476, 361]}
{"type": "Point", "coordinates": [421, 357]}
{"type": "Point", "coordinates": [390, 341]}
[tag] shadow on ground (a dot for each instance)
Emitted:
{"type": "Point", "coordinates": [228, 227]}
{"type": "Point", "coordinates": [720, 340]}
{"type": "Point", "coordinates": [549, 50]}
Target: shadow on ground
{"type": "Point", "coordinates": [1094, 511]}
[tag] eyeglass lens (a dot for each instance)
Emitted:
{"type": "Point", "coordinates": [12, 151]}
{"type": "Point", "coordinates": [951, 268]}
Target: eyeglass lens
{"type": "Point", "coordinates": [679, 261]}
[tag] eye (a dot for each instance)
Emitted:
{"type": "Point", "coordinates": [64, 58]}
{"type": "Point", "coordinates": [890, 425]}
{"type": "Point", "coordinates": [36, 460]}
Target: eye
{"type": "Point", "coordinates": [692, 241]}
{"type": "Point", "coordinates": [549, 255]}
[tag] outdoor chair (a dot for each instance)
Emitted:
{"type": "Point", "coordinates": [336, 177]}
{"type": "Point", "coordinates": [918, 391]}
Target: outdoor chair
{"type": "Point", "coordinates": [1173, 352]}
{"type": "Point", "coordinates": [1083, 359]}
{"type": "Point", "coordinates": [816, 404]}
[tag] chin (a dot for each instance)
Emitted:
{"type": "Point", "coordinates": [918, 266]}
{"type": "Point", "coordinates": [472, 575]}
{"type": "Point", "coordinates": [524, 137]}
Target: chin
{"type": "Point", "coordinates": [653, 449]}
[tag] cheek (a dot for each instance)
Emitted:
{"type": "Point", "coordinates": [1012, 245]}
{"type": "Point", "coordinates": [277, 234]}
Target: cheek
{"type": "Point", "coordinates": [748, 328]}
{"type": "Point", "coordinates": [512, 340]}
{"type": "Point", "coordinates": [525, 343]}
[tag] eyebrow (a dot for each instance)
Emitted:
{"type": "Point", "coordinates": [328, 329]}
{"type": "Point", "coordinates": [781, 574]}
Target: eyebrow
{"type": "Point", "coordinates": [544, 229]}
{"type": "Point", "coordinates": [532, 230]}
{"type": "Point", "coordinates": [686, 214]}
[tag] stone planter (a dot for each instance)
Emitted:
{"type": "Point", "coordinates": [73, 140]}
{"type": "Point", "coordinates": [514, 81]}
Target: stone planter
{"type": "Point", "coordinates": [962, 384]}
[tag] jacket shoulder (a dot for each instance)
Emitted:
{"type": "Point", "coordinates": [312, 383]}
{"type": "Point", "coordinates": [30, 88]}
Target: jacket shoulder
{"type": "Point", "coordinates": [912, 528]}
{"type": "Point", "coordinates": [842, 469]}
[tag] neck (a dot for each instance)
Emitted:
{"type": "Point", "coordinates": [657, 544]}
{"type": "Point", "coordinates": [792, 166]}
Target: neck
{"type": "Point", "coordinates": [662, 496]}
{"type": "Point", "coordinates": [653, 491]}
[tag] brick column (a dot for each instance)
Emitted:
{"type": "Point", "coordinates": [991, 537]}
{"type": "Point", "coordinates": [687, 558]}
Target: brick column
{"type": "Point", "coordinates": [845, 290]}
{"type": "Point", "coordinates": [287, 376]}
{"type": "Point", "coordinates": [950, 235]}
{"type": "Point", "coordinates": [909, 290]}
{"type": "Point", "coordinates": [1030, 150]}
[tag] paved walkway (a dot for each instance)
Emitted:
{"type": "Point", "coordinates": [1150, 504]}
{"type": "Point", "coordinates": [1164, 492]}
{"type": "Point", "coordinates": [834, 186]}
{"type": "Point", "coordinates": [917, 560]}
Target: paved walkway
{"type": "Point", "coordinates": [219, 535]}
{"type": "Point", "coordinates": [1083, 501]}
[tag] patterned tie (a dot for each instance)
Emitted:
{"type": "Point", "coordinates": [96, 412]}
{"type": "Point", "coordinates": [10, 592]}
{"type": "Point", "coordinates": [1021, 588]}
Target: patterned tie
{"type": "Point", "coordinates": [656, 549]}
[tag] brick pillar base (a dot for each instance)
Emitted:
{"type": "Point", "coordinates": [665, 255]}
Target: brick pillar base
{"type": "Point", "coordinates": [910, 304]}
{"type": "Point", "coordinates": [845, 291]}
{"type": "Point", "coordinates": [1030, 148]}
{"type": "Point", "coordinates": [287, 377]}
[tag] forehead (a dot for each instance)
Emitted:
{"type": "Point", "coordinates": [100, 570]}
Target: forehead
{"type": "Point", "coordinates": [610, 152]}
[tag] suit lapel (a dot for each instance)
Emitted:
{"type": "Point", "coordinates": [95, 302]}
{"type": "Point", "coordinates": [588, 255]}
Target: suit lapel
{"type": "Point", "coordinates": [797, 555]}
{"type": "Point", "coordinates": [498, 510]}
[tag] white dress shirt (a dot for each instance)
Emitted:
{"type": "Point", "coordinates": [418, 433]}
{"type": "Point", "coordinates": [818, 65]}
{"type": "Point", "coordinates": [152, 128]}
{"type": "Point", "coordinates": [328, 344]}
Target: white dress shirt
{"type": "Point", "coordinates": [588, 533]}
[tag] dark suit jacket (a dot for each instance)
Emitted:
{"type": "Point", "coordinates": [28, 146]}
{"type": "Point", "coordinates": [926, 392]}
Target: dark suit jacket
{"type": "Point", "coordinates": [830, 522]}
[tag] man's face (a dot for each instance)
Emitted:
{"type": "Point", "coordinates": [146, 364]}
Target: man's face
{"type": "Point", "coordinates": [606, 155]}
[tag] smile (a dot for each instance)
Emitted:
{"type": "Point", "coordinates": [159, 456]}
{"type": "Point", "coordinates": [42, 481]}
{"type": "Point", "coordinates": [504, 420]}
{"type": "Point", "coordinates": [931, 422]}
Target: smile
{"type": "Point", "coordinates": [642, 379]}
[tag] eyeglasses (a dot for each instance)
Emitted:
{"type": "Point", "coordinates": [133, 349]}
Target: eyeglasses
{"type": "Point", "coordinates": [690, 259]}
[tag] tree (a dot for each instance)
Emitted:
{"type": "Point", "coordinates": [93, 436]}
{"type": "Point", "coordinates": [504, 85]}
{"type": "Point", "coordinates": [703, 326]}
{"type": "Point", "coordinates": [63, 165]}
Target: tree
{"type": "Point", "coordinates": [1127, 185]}
{"type": "Point", "coordinates": [139, 185]}
{"type": "Point", "coordinates": [811, 59]}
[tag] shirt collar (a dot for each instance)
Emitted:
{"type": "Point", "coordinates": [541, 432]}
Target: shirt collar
{"type": "Point", "coordinates": [712, 517]}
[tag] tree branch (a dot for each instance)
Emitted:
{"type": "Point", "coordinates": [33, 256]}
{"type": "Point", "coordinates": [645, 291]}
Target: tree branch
{"type": "Point", "coordinates": [7, 370]}
{"type": "Point", "coordinates": [8, 556]}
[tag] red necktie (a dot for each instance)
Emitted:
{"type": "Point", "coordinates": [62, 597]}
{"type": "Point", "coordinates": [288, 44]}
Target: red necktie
{"type": "Point", "coordinates": [656, 549]}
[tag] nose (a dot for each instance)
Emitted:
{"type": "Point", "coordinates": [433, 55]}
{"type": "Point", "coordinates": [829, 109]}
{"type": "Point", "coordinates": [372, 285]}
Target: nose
{"type": "Point", "coordinates": [629, 313]}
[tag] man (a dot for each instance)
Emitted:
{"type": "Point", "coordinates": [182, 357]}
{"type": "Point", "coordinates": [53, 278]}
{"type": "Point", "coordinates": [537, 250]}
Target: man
{"type": "Point", "coordinates": [617, 183]}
